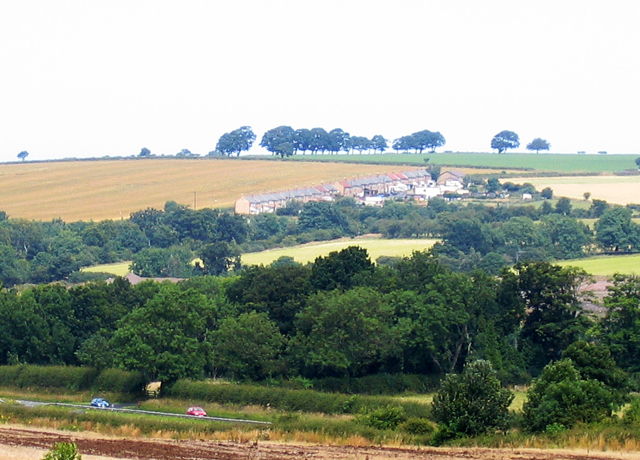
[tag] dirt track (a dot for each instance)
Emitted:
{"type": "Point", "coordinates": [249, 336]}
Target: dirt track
{"type": "Point", "coordinates": [17, 443]}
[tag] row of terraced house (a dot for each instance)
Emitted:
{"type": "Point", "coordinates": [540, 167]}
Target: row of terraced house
{"type": "Point", "coordinates": [371, 190]}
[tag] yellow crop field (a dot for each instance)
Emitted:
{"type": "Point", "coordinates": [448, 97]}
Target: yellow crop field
{"type": "Point", "coordinates": [613, 189]}
{"type": "Point", "coordinates": [376, 247]}
{"type": "Point", "coordinates": [113, 189]}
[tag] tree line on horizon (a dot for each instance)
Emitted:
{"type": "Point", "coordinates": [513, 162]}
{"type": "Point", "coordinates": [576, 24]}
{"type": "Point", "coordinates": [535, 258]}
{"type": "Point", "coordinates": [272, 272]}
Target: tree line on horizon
{"type": "Point", "coordinates": [284, 141]}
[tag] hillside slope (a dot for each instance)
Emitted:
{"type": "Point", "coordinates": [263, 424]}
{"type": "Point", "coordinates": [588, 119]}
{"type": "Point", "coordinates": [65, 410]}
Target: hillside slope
{"type": "Point", "coordinates": [112, 189]}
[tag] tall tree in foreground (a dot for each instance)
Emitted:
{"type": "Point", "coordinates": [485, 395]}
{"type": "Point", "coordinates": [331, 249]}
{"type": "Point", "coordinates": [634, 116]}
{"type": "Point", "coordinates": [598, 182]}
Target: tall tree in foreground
{"type": "Point", "coordinates": [505, 140]}
{"type": "Point", "coordinates": [538, 144]}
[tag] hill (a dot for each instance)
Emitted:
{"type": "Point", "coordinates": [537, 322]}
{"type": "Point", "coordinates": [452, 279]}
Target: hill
{"type": "Point", "coordinates": [544, 162]}
{"type": "Point", "coordinates": [113, 189]}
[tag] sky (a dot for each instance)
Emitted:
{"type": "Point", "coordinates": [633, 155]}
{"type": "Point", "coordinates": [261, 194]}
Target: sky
{"type": "Point", "coordinates": [98, 78]}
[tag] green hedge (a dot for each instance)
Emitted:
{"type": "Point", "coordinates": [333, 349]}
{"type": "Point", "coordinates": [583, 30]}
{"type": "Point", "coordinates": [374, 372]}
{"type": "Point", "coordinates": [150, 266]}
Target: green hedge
{"type": "Point", "coordinates": [288, 400]}
{"type": "Point", "coordinates": [119, 381]}
{"type": "Point", "coordinates": [380, 384]}
{"type": "Point", "coordinates": [71, 378]}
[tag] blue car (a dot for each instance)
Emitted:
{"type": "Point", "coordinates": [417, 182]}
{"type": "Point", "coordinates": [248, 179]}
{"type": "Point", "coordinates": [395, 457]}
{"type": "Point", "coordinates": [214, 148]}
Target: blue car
{"type": "Point", "coordinates": [99, 402]}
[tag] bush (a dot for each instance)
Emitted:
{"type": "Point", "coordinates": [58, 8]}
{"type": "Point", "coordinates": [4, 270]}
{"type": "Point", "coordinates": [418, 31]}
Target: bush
{"type": "Point", "coordinates": [63, 451]}
{"type": "Point", "coordinates": [119, 381]}
{"type": "Point", "coordinates": [384, 418]}
{"type": "Point", "coordinates": [417, 425]}
{"type": "Point", "coordinates": [473, 402]}
{"type": "Point", "coordinates": [380, 384]}
{"type": "Point", "coordinates": [31, 376]}
{"type": "Point", "coordinates": [561, 397]}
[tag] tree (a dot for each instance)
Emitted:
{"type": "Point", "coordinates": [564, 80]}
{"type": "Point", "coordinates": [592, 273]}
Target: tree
{"type": "Point", "coordinates": [247, 347]}
{"type": "Point", "coordinates": [562, 398]}
{"type": "Point", "coordinates": [336, 271]}
{"type": "Point", "coordinates": [218, 258]}
{"type": "Point", "coordinates": [23, 155]}
{"type": "Point", "coordinates": [280, 291]}
{"type": "Point", "coordinates": [620, 328]}
{"type": "Point", "coordinates": [538, 144]}
{"type": "Point", "coordinates": [144, 152]}
{"type": "Point", "coordinates": [238, 140]}
{"type": "Point", "coordinates": [279, 141]}
{"type": "Point", "coordinates": [505, 140]}
{"type": "Point", "coordinates": [338, 140]}
{"type": "Point", "coordinates": [380, 144]}
{"type": "Point", "coordinates": [343, 333]}
{"type": "Point", "coordinates": [166, 339]}
{"type": "Point", "coordinates": [545, 298]}
{"type": "Point", "coordinates": [316, 215]}
{"type": "Point", "coordinates": [638, 162]}
{"type": "Point", "coordinates": [563, 206]}
{"type": "Point", "coordinates": [616, 232]}
{"type": "Point", "coordinates": [546, 193]}
{"type": "Point", "coordinates": [472, 403]}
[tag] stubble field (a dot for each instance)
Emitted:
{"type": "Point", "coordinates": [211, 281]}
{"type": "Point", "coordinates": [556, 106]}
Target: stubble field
{"type": "Point", "coordinates": [113, 189]}
{"type": "Point", "coordinates": [621, 190]}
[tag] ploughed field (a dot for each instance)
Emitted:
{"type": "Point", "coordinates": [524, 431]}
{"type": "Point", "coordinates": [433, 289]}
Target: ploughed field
{"type": "Point", "coordinates": [21, 443]}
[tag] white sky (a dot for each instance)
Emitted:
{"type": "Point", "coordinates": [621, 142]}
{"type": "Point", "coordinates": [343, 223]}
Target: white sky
{"type": "Point", "coordinates": [85, 78]}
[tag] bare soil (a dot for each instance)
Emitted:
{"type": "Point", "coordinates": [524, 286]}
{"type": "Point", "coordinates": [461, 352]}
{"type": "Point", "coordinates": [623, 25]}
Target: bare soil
{"type": "Point", "coordinates": [22, 443]}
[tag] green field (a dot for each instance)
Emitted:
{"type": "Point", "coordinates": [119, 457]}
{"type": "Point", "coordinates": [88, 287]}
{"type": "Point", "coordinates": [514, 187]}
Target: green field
{"type": "Point", "coordinates": [118, 269]}
{"type": "Point", "coordinates": [308, 252]}
{"type": "Point", "coordinates": [606, 265]}
{"type": "Point", "coordinates": [543, 162]}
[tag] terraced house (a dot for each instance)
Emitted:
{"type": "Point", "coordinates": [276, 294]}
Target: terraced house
{"type": "Point", "coordinates": [370, 190]}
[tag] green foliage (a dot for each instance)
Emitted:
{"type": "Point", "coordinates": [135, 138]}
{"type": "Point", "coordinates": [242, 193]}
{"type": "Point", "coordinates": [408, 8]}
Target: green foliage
{"type": "Point", "coordinates": [383, 418]}
{"type": "Point", "coordinates": [341, 333]}
{"type": "Point", "coordinates": [167, 338]}
{"type": "Point", "coordinates": [473, 402]}
{"type": "Point", "coordinates": [120, 381]}
{"type": "Point", "coordinates": [68, 377]}
{"type": "Point", "coordinates": [248, 347]}
{"type": "Point", "coordinates": [417, 425]}
{"type": "Point", "coordinates": [505, 140]}
{"type": "Point", "coordinates": [379, 384]}
{"type": "Point", "coordinates": [288, 400]}
{"type": "Point", "coordinates": [616, 232]}
{"type": "Point", "coordinates": [546, 193]}
{"type": "Point", "coordinates": [538, 144]}
{"type": "Point", "coordinates": [63, 451]}
{"type": "Point", "coordinates": [71, 378]}
{"type": "Point", "coordinates": [560, 396]}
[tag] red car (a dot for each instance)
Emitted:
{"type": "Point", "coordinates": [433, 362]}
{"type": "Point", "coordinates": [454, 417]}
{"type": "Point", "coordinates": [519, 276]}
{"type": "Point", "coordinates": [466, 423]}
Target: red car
{"type": "Point", "coordinates": [197, 411]}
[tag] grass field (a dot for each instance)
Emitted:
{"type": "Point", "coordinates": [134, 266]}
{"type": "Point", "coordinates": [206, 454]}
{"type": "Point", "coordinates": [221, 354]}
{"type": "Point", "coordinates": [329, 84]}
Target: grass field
{"type": "Point", "coordinates": [567, 163]}
{"type": "Point", "coordinates": [118, 269]}
{"type": "Point", "coordinates": [308, 252]}
{"type": "Point", "coordinates": [113, 189]}
{"type": "Point", "coordinates": [613, 189]}
{"type": "Point", "coordinates": [607, 265]}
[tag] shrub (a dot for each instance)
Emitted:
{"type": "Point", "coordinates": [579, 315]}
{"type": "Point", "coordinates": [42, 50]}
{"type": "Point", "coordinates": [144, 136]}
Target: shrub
{"type": "Point", "coordinates": [417, 425]}
{"type": "Point", "coordinates": [384, 418]}
{"type": "Point", "coordinates": [288, 400]}
{"type": "Point", "coordinates": [119, 381]}
{"type": "Point", "coordinates": [31, 376]}
{"type": "Point", "coordinates": [63, 451]}
{"type": "Point", "coordinates": [473, 402]}
{"type": "Point", "coordinates": [561, 397]}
